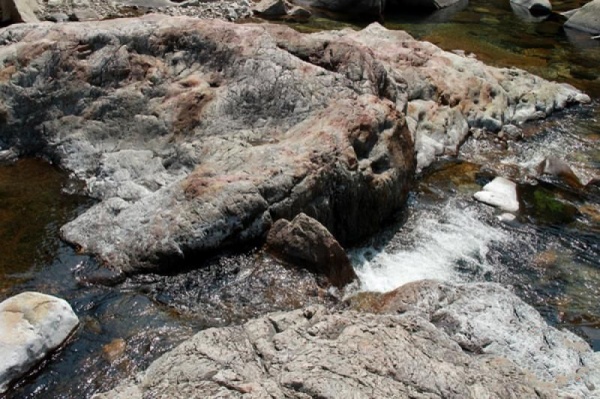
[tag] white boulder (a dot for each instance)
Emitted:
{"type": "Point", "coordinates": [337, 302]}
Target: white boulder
{"type": "Point", "coordinates": [31, 326]}
{"type": "Point", "coordinates": [501, 193]}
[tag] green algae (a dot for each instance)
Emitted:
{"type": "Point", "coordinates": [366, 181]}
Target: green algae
{"type": "Point", "coordinates": [542, 206]}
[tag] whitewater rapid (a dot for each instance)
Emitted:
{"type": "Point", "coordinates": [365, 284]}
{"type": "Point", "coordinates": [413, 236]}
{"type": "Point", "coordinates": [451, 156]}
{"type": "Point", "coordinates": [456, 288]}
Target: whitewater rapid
{"type": "Point", "coordinates": [447, 244]}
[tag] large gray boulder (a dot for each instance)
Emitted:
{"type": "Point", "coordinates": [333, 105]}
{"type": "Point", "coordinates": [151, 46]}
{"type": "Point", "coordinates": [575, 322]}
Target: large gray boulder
{"type": "Point", "coordinates": [473, 341]}
{"type": "Point", "coordinates": [31, 326]}
{"type": "Point", "coordinates": [196, 135]}
{"type": "Point", "coordinates": [586, 19]}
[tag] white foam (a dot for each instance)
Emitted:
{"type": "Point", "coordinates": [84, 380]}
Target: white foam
{"type": "Point", "coordinates": [443, 239]}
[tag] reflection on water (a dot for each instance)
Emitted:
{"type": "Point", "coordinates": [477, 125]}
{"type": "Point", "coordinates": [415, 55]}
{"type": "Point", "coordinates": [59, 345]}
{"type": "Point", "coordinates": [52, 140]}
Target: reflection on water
{"type": "Point", "coordinates": [121, 330]}
{"type": "Point", "coordinates": [496, 35]}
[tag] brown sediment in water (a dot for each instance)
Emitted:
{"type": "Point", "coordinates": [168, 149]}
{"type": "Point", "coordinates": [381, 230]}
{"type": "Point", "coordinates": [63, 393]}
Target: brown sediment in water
{"type": "Point", "coordinates": [32, 209]}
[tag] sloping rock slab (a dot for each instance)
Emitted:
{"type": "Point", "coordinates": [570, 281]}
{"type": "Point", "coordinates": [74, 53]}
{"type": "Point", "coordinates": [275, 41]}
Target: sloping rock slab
{"type": "Point", "coordinates": [586, 19]}
{"type": "Point", "coordinates": [31, 326]}
{"type": "Point", "coordinates": [317, 353]}
{"type": "Point", "coordinates": [196, 135]}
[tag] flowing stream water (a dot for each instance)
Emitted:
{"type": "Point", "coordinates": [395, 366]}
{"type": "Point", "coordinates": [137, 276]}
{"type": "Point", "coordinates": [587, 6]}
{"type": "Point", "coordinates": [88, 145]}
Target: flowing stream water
{"type": "Point", "coordinates": [554, 264]}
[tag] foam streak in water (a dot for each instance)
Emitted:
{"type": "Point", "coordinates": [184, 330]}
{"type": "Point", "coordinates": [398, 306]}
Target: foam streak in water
{"type": "Point", "coordinates": [448, 245]}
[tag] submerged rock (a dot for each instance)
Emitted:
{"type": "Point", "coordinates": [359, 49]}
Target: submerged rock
{"type": "Point", "coordinates": [196, 135]}
{"type": "Point", "coordinates": [542, 205]}
{"type": "Point", "coordinates": [467, 341]}
{"type": "Point", "coordinates": [307, 242]}
{"type": "Point", "coordinates": [31, 326]}
{"type": "Point", "coordinates": [501, 193]}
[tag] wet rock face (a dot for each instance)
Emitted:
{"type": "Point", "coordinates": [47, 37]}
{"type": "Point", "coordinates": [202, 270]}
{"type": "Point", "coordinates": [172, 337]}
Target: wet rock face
{"type": "Point", "coordinates": [306, 242]}
{"type": "Point", "coordinates": [232, 289]}
{"type": "Point", "coordinates": [31, 326]}
{"type": "Point", "coordinates": [197, 135]}
{"type": "Point", "coordinates": [430, 351]}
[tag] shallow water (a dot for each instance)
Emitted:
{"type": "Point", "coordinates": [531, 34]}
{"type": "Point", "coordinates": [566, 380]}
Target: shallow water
{"type": "Point", "coordinates": [447, 235]}
{"type": "Point", "coordinates": [121, 330]}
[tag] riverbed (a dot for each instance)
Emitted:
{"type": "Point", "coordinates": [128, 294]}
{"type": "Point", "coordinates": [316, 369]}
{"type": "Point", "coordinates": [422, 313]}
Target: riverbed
{"type": "Point", "coordinates": [553, 265]}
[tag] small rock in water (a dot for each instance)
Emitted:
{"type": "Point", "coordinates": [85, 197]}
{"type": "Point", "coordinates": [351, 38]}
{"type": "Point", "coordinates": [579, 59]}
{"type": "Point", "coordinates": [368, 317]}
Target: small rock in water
{"type": "Point", "coordinates": [308, 242]}
{"type": "Point", "coordinates": [586, 18]}
{"type": "Point", "coordinates": [298, 14]}
{"type": "Point", "coordinates": [507, 218]}
{"type": "Point", "coordinates": [512, 132]}
{"type": "Point", "coordinates": [501, 193]}
{"type": "Point", "coordinates": [8, 156]}
{"type": "Point", "coordinates": [555, 167]}
{"type": "Point", "coordinates": [31, 326]}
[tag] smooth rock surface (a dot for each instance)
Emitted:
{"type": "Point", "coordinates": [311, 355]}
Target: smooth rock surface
{"type": "Point", "coordinates": [31, 326]}
{"type": "Point", "coordinates": [501, 193]}
{"type": "Point", "coordinates": [444, 344]}
{"type": "Point", "coordinates": [586, 18]}
{"type": "Point", "coordinates": [308, 243]}
{"type": "Point", "coordinates": [535, 7]}
{"type": "Point", "coordinates": [196, 135]}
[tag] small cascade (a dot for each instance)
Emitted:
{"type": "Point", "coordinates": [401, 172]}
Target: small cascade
{"type": "Point", "coordinates": [449, 244]}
